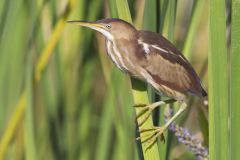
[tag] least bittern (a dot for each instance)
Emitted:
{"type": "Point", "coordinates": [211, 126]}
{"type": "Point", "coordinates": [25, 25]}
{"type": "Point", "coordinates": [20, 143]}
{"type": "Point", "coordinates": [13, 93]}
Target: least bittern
{"type": "Point", "coordinates": [151, 58]}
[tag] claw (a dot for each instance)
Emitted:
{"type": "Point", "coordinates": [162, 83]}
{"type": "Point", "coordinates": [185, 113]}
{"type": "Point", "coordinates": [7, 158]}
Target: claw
{"type": "Point", "coordinates": [147, 129]}
{"type": "Point", "coordinates": [147, 115]}
{"type": "Point", "coordinates": [151, 144]}
{"type": "Point", "coordinates": [143, 110]}
{"type": "Point", "coordinates": [139, 105]}
{"type": "Point", "coordinates": [162, 138]}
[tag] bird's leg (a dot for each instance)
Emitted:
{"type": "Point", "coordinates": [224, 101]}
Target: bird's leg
{"type": "Point", "coordinates": [146, 110]}
{"type": "Point", "coordinates": [150, 135]}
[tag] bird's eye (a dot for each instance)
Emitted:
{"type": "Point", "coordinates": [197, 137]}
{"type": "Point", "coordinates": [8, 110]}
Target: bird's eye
{"type": "Point", "coordinates": [108, 26]}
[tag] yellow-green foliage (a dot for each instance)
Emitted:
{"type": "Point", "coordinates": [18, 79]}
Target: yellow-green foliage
{"type": "Point", "coordinates": [61, 97]}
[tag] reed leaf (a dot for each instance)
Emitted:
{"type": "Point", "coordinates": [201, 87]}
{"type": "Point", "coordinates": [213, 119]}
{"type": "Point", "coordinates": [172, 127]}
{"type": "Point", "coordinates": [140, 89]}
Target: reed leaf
{"type": "Point", "coordinates": [218, 83]}
{"type": "Point", "coordinates": [29, 131]}
{"type": "Point", "coordinates": [140, 95]}
{"type": "Point", "coordinates": [194, 24]}
{"type": "Point", "coordinates": [234, 82]}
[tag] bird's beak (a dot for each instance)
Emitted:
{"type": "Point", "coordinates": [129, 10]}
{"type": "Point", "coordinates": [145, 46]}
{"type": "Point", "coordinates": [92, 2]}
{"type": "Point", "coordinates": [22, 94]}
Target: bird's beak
{"type": "Point", "coordinates": [93, 25]}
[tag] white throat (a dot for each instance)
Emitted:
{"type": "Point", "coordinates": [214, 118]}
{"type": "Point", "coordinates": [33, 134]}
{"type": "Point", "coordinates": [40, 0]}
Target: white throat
{"type": "Point", "coordinates": [104, 32]}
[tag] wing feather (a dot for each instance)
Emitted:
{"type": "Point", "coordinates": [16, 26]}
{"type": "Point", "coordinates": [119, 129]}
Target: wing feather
{"type": "Point", "coordinates": [167, 65]}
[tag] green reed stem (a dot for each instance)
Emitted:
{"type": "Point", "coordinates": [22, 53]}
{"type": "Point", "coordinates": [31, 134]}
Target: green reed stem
{"type": "Point", "coordinates": [218, 83]}
{"type": "Point", "coordinates": [140, 95]}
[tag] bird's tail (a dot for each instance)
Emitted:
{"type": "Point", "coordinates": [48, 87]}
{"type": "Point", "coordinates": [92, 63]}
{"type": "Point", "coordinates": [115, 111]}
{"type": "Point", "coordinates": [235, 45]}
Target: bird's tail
{"type": "Point", "coordinates": [204, 93]}
{"type": "Point", "coordinates": [204, 97]}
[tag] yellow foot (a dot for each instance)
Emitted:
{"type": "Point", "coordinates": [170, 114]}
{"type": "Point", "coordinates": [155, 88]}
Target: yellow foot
{"type": "Point", "coordinates": [146, 111]}
{"type": "Point", "coordinates": [150, 135]}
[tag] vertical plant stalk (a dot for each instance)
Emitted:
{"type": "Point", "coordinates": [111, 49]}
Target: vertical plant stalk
{"type": "Point", "coordinates": [140, 95]}
{"type": "Point", "coordinates": [218, 83]}
{"type": "Point", "coordinates": [195, 20]}
{"type": "Point", "coordinates": [29, 133]}
{"type": "Point", "coordinates": [16, 118]}
{"type": "Point", "coordinates": [234, 82]}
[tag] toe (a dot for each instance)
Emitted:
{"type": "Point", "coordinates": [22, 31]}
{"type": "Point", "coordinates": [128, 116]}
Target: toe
{"type": "Point", "coordinates": [139, 105]}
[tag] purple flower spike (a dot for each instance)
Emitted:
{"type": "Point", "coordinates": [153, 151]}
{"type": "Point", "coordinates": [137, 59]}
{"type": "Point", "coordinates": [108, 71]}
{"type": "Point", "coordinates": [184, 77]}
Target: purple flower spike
{"type": "Point", "coordinates": [183, 135]}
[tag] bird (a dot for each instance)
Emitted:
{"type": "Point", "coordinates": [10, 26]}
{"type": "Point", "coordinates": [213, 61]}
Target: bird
{"type": "Point", "coordinates": [151, 58]}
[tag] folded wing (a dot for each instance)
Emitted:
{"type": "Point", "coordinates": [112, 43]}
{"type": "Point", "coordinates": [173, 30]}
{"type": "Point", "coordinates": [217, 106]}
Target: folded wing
{"type": "Point", "coordinates": [168, 66]}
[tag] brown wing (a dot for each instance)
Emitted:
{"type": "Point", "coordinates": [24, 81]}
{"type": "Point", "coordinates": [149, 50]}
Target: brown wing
{"type": "Point", "coordinates": [168, 66]}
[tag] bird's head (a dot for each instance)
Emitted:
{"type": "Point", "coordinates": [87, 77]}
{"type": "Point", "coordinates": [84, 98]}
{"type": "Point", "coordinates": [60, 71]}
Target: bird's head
{"type": "Point", "coordinates": [111, 28]}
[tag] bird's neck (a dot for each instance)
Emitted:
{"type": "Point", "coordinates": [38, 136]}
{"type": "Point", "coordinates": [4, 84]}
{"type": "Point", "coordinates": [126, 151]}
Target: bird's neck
{"type": "Point", "coordinates": [121, 52]}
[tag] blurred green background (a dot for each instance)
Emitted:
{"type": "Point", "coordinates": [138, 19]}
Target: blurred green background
{"type": "Point", "coordinates": [62, 98]}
